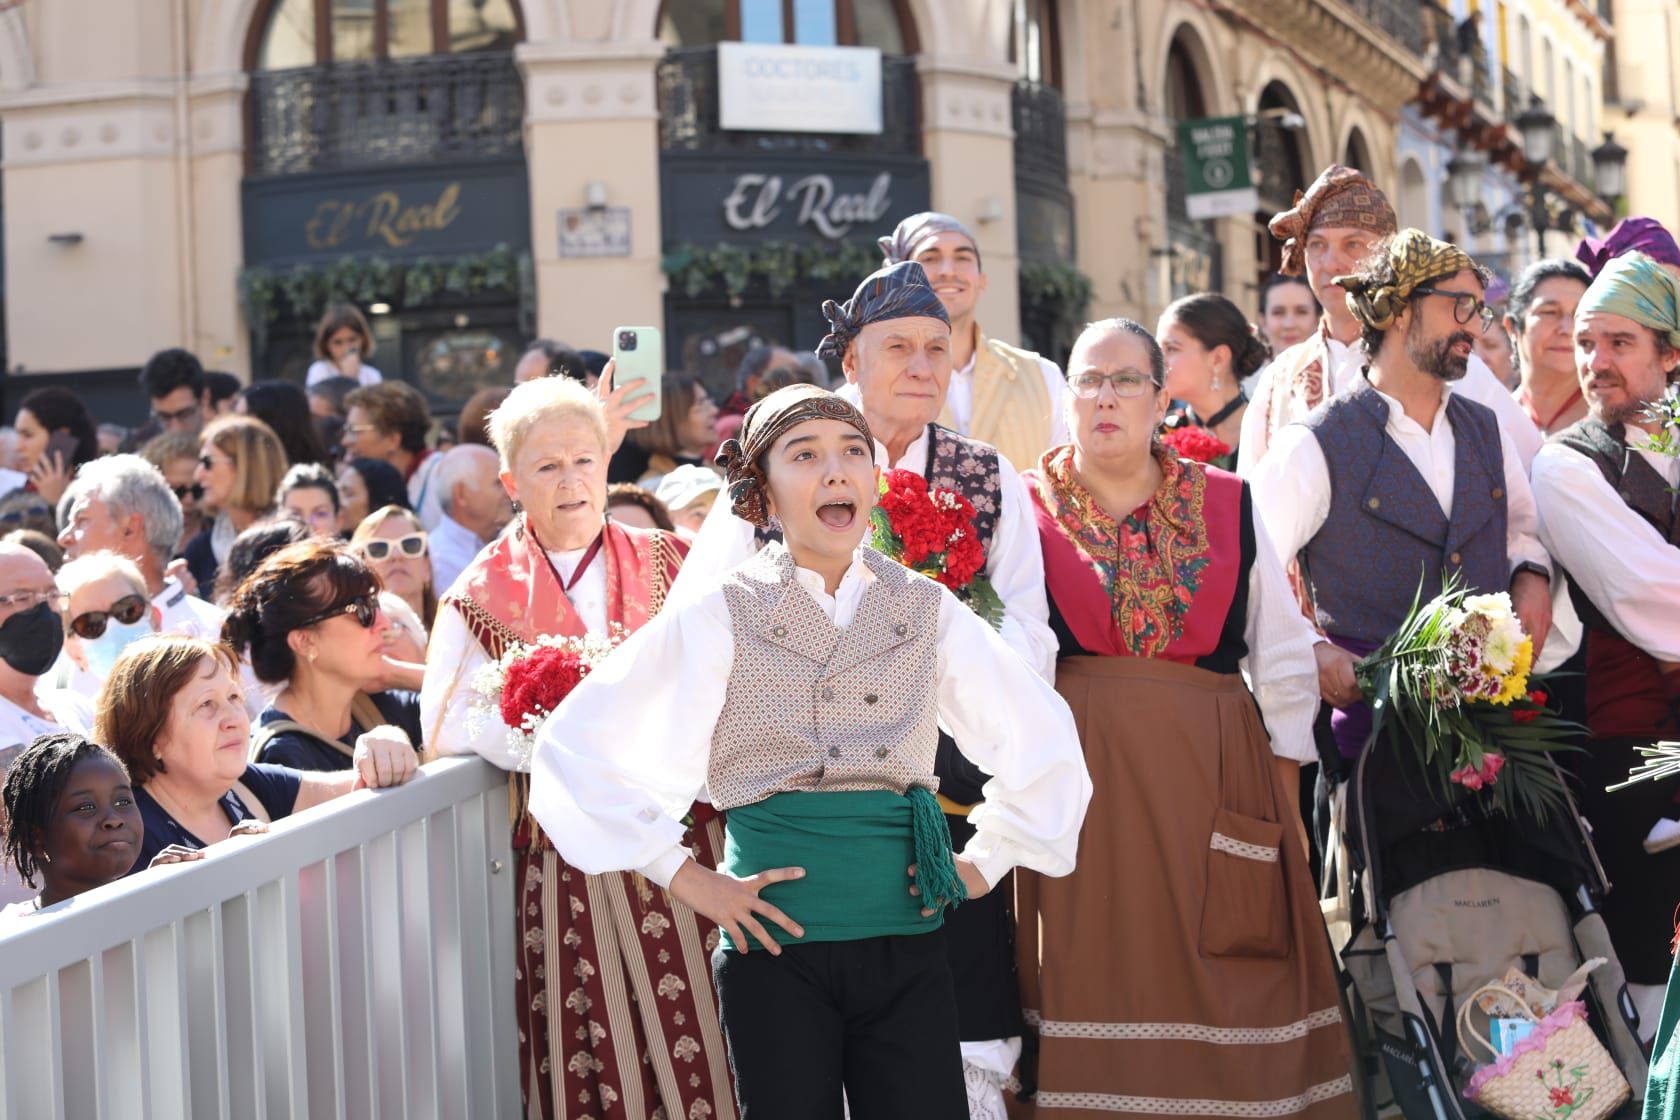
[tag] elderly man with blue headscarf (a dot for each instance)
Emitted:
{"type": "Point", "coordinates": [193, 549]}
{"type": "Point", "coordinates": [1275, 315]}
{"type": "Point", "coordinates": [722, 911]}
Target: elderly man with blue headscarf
{"type": "Point", "coordinates": [1607, 509]}
{"type": "Point", "coordinates": [893, 340]}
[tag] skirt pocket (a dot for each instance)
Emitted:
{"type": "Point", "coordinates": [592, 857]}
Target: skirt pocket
{"type": "Point", "coordinates": [1245, 912]}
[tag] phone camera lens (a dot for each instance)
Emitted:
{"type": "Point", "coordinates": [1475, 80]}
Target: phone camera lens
{"type": "Point", "coordinates": [626, 340]}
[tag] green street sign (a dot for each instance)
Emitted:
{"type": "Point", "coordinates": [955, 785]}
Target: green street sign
{"type": "Point", "coordinates": [1216, 167]}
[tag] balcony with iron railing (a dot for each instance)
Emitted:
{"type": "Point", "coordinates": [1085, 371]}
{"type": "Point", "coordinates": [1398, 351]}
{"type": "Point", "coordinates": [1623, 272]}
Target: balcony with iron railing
{"type": "Point", "coordinates": [1400, 20]}
{"type": "Point", "coordinates": [438, 108]}
{"type": "Point", "coordinates": [1511, 87]}
{"type": "Point", "coordinates": [689, 120]}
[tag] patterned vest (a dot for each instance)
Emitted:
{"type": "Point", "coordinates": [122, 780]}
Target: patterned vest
{"type": "Point", "coordinates": [1386, 530]}
{"type": "Point", "coordinates": [1629, 475]}
{"type": "Point", "coordinates": [813, 707]}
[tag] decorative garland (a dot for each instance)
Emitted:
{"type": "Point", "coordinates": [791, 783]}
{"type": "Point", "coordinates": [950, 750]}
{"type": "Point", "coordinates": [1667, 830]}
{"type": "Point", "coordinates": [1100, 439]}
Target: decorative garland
{"type": "Point", "coordinates": [1055, 292]}
{"type": "Point", "coordinates": [731, 270]}
{"type": "Point", "coordinates": [267, 295]}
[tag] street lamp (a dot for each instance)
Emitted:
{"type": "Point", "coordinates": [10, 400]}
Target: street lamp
{"type": "Point", "coordinates": [1538, 130]}
{"type": "Point", "coordinates": [1610, 168]}
{"type": "Point", "coordinates": [1464, 179]}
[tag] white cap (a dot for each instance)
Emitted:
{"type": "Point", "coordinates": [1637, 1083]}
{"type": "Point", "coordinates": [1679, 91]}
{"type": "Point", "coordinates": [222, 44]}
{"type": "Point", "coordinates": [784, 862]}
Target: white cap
{"type": "Point", "coordinates": [686, 485]}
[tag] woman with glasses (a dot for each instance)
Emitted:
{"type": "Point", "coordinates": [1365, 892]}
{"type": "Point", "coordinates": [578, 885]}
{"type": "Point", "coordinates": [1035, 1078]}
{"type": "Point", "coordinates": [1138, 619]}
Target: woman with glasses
{"type": "Point", "coordinates": [394, 545]}
{"type": "Point", "coordinates": [175, 455]}
{"type": "Point", "coordinates": [240, 464]}
{"type": "Point", "coordinates": [1191, 917]}
{"type": "Point", "coordinates": [309, 620]}
{"type": "Point", "coordinates": [174, 713]}
{"type": "Point", "coordinates": [309, 494]}
{"type": "Point", "coordinates": [563, 569]}
{"type": "Point", "coordinates": [108, 609]}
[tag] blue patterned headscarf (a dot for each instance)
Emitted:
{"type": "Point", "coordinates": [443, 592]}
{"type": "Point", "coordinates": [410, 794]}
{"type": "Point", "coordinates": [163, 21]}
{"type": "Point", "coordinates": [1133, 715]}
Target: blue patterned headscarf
{"type": "Point", "coordinates": [898, 291]}
{"type": "Point", "coordinates": [1636, 287]}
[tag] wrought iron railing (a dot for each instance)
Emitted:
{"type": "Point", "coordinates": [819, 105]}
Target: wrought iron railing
{"type": "Point", "coordinates": [1040, 117]}
{"type": "Point", "coordinates": [1401, 20]}
{"type": "Point", "coordinates": [688, 113]}
{"type": "Point", "coordinates": [1515, 102]}
{"type": "Point", "coordinates": [1463, 58]}
{"type": "Point", "coordinates": [391, 111]}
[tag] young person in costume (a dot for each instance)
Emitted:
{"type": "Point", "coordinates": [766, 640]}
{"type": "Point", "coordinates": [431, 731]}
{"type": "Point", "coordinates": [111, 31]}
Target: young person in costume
{"type": "Point", "coordinates": [999, 394]}
{"type": "Point", "coordinates": [893, 340]}
{"type": "Point", "coordinates": [615, 1000]}
{"type": "Point", "coordinates": [1182, 968]}
{"type": "Point", "coordinates": [1401, 476]}
{"type": "Point", "coordinates": [1331, 228]}
{"type": "Point", "coordinates": [804, 692]}
{"type": "Point", "coordinates": [1608, 515]}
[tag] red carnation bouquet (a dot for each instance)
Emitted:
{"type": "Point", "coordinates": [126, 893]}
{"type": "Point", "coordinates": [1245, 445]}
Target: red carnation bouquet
{"type": "Point", "coordinates": [931, 531]}
{"type": "Point", "coordinates": [1196, 444]}
{"type": "Point", "coordinates": [526, 684]}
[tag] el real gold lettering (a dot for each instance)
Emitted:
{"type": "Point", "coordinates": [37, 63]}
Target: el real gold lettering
{"type": "Point", "coordinates": [383, 217]}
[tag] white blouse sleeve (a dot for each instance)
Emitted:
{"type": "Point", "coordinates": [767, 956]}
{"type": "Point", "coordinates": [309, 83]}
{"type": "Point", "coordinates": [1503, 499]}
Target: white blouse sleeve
{"type": "Point", "coordinates": [1015, 567]}
{"type": "Point", "coordinates": [1056, 384]}
{"type": "Point", "coordinates": [448, 724]}
{"type": "Point", "coordinates": [1251, 444]}
{"type": "Point", "coordinates": [1008, 721]}
{"type": "Point", "coordinates": [723, 543]}
{"type": "Point", "coordinates": [1280, 666]}
{"type": "Point", "coordinates": [620, 762]}
{"type": "Point", "coordinates": [1625, 567]}
{"type": "Point", "coordinates": [1291, 490]}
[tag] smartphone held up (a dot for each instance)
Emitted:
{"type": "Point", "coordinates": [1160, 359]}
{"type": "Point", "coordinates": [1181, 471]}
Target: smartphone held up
{"type": "Point", "coordinates": [638, 355]}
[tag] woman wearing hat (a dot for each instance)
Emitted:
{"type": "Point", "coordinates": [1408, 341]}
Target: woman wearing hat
{"type": "Point", "coordinates": [809, 687]}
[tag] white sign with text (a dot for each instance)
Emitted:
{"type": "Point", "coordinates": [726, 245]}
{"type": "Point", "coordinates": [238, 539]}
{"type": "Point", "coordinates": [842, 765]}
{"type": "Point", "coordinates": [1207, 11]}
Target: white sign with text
{"type": "Point", "coordinates": [771, 87]}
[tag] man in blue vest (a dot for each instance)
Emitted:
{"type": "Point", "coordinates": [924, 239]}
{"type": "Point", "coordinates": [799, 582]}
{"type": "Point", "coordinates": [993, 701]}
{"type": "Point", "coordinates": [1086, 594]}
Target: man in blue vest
{"type": "Point", "coordinates": [1399, 477]}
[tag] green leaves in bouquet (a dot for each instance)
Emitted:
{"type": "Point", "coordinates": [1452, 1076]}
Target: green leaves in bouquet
{"type": "Point", "coordinates": [1666, 412]}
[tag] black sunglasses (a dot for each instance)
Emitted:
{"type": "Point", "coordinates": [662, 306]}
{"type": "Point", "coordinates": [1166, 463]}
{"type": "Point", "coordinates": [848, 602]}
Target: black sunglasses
{"type": "Point", "coordinates": [364, 608]}
{"type": "Point", "coordinates": [17, 516]}
{"type": "Point", "coordinates": [126, 610]}
{"type": "Point", "coordinates": [191, 490]}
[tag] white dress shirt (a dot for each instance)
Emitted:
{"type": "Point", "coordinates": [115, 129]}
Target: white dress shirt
{"type": "Point", "coordinates": [1622, 563]}
{"type": "Point", "coordinates": [425, 496]}
{"type": "Point", "coordinates": [452, 546]}
{"type": "Point", "coordinates": [959, 398]}
{"type": "Point", "coordinates": [448, 724]}
{"type": "Point", "coordinates": [1291, 485]}
{"type": "Point", "coordinates": [1280, 666]}
{"type": "Point", "coordinates": [1014, 563]}
{"type": "Point", "coordinates": [623, 758]}
{"type": "Point", "coordinates": [1346, 362]}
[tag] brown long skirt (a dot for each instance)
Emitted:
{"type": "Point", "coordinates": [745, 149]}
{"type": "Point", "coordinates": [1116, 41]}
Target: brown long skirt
{"type": "Point", "coordinates": [1183, 969]}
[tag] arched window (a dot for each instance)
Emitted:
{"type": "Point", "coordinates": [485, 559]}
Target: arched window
{"type": "Point", "coordinates": [1357, 154]}
{"type": "Point", "coordinates": [1035, 45]}
{"type": "Point", "coordinates": [319, 32]}
{"type": "Point", "coordinates": [818, 23]}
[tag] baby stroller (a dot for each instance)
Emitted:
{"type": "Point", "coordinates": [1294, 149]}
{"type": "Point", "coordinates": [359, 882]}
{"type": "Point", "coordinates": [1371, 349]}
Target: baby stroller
{"type": "Point", "coordinates": [1441, 898]}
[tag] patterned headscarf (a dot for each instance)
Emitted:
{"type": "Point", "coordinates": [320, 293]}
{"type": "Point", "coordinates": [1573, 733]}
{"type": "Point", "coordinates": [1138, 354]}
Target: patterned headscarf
{"type": "Point", "coordinates": [1340, 198]}
{"type": "Point", "coordinates": [908, 235]}
{"type": "Point", "coordinates": [896, 292]}
{"type": "Point", "coordinates": [1636, 287]}
{"type": "Point", "coordinates": [1416, 259]}
{"type": "Point", "coordinates": [1631, 235]}
{"type": "Point", "coordinates": [765, 423]}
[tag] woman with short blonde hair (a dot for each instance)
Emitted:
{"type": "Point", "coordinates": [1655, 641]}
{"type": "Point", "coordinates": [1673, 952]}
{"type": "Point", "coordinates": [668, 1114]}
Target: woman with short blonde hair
{"type": "Point", "coordinates": [536, 403]}
{"type": "Point", "coordinates": [240, 465]}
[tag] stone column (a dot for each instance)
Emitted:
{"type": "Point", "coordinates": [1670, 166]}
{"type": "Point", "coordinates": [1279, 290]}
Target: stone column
{"type": "Point", "coordinates": [592, 117]}
{"type": "Point", "coordinates": [969, 139]}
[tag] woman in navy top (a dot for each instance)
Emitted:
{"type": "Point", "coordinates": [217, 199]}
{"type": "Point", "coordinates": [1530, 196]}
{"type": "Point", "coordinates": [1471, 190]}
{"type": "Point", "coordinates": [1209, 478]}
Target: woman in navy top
{"type": "Point", "coordinates": [173, 711]}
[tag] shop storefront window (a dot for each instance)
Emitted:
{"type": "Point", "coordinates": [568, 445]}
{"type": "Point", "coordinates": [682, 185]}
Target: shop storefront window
{"type": "Point", "coordinates": [318, 32]}
{"type": "Point", "coordinates": [819, 23]}
{"type": "Point", "coordinates": [761, 21]}
{"type": "Point", "coordinates": [290, 38]}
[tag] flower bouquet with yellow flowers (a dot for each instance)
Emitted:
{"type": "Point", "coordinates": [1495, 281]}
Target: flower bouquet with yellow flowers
{"type": "Point", "coordinates": [1452, 685]}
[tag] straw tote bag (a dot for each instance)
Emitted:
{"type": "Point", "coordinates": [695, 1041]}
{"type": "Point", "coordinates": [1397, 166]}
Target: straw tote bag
{"type": "Point", "coordinates": [1561, 1070]}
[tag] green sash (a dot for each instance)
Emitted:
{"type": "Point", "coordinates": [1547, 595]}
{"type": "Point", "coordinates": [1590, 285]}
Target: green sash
{"type": "Point", "coordinates": [855, 848]}
{"type": "Point", "coordinates": [1662, 1098]}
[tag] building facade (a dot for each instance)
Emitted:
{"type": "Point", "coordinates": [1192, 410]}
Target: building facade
{"type": "Point", "coordinates": [1642, 103]}
{"type": "Point", "coordinates": [475, 173]}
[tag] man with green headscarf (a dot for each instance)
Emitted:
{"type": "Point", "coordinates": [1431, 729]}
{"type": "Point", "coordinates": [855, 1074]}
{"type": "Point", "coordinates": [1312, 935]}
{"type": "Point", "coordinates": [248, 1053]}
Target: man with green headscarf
{"type": "Point", "coordinates": [1608, 511]}
{"type": "Point", "coordinates": [1400, 474]}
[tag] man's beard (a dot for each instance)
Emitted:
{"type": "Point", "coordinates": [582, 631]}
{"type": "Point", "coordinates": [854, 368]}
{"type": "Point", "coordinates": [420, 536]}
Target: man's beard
{"type": "Point", "coordinates": [1625, 411]}
{"type": "Point", "coordinates": [1437, 357]}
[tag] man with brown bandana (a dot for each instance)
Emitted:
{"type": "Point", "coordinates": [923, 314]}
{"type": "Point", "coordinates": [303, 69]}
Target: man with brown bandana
{"type": "Point", "coordinates": [999, 394]}
{"type": "Point", "coordinates": [1331, 227]}
{"type": "Point", "coordinates": [1402, 474]}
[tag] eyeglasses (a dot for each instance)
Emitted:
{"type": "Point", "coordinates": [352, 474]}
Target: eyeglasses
{"type": "Point", "coordinates": [381, 548]}
{"type": "Point", "coordinates": [359, 428]}
{"type": "Point", "coordinates": [126, 610]}
{"type": "Point", "coordinates": [24, 513]}
{"type": "Point", "coordinates": [210, 462]}
{"type": "Point", "coordinates": [28, 600]}
{"type": "Point", "coordinates": [1088, 386]}
{"type": "Point", "coordinates": [364, 608]}
{"type": "Point", "coordinates": [1466, 305]}
{"type": "Point", "coordinates": [193, 490]}
{"type": "Point", "coordinates": [179, 416]}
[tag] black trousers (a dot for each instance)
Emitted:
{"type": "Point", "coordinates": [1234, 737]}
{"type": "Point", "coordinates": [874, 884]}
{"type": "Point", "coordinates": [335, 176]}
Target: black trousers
{"type": "Point", "coordinates": [877, 1017]}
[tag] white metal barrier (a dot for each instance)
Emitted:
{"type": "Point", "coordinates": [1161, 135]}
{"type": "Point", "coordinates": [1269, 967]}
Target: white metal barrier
{"type": "Point", "coordinates": [357, 962]}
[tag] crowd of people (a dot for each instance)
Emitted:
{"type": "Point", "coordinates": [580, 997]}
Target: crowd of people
{"type": "Point", "coordinates": [1064, 859]}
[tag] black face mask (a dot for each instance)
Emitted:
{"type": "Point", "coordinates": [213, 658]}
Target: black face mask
{"type": "Point", "coordinates": [30, 641]}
